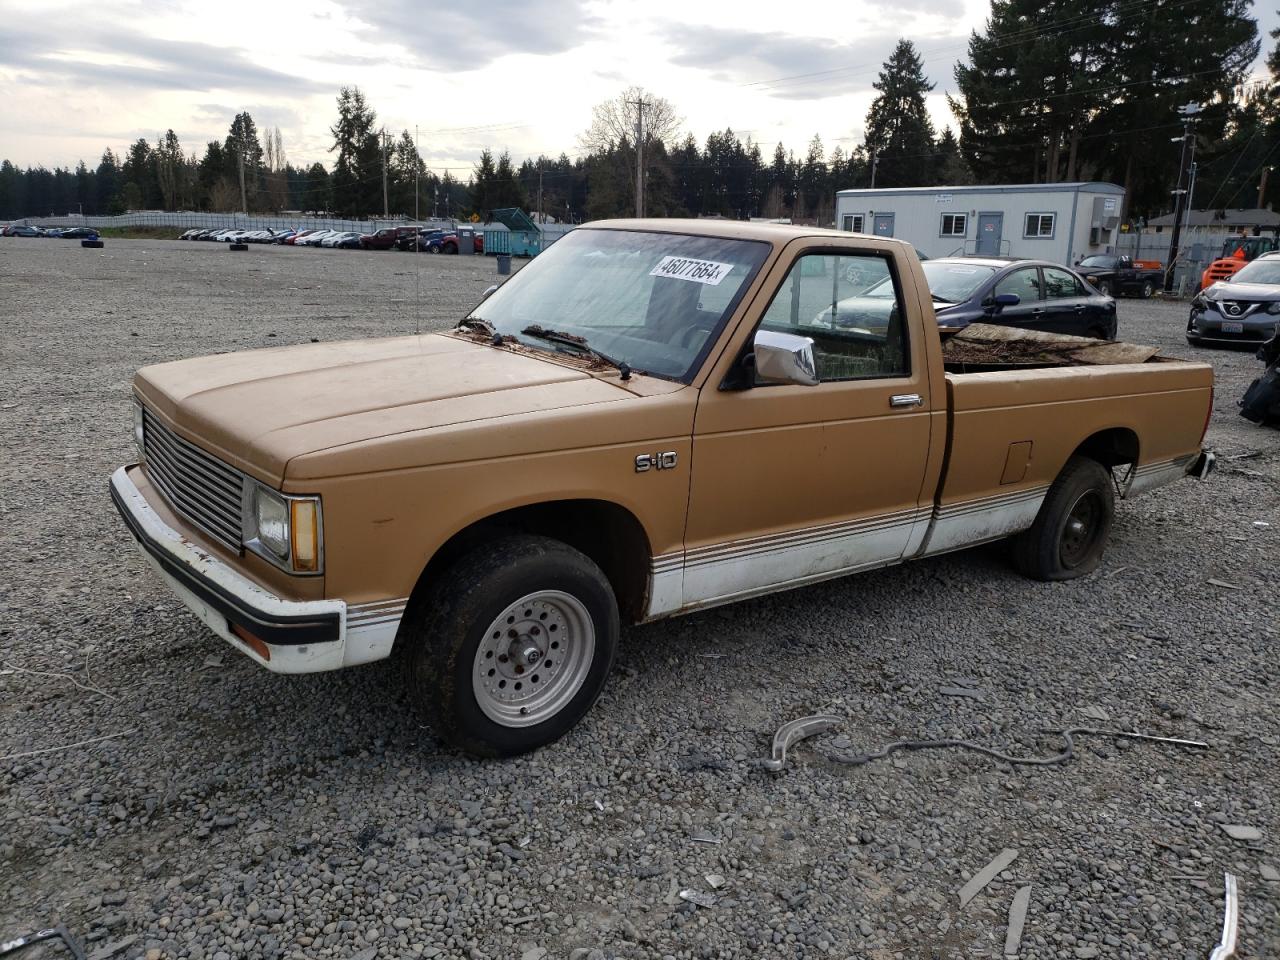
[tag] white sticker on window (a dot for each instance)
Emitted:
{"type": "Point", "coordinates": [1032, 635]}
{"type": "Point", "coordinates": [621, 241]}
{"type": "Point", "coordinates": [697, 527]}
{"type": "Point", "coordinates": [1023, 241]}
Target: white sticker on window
{"type": "Point", "coordinates": [698, 271]}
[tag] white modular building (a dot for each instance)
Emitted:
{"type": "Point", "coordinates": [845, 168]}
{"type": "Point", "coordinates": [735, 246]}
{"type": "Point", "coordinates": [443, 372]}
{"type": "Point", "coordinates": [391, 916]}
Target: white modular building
{"type": "Point", "coordinates": [1060, 222]}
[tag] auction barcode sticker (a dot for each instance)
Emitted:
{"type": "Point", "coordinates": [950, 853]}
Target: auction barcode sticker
{"type": "Point", "coordinates": [698, 271]}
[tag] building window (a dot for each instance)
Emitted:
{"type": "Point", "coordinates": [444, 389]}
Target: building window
{"type": "Point", "coordinates": [1039, 225]}
{"type": "Point", "coordinates": [852, 223]}
{"type": "Point", "coordinates": [954, 225]}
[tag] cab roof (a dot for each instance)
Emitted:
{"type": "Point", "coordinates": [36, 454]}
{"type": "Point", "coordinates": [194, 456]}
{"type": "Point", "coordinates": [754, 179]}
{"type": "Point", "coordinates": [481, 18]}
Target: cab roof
{"type": "Point", "coordinates": [777, 234]}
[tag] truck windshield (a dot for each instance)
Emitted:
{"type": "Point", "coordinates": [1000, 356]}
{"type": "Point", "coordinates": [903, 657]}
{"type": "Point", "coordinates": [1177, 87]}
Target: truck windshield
{"type": "Point", "coordinates": [655, 301]}
{"type": "Point", "coordinates": [1103, 263]}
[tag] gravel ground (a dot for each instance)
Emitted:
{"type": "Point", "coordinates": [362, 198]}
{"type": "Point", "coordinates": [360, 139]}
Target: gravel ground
{"type": "Point", "coordinates": [235, 813]}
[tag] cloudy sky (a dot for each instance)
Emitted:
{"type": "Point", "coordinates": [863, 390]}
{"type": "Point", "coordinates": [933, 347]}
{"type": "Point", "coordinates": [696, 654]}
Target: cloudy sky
{"type": "Point", "coordinates": [522, 75]}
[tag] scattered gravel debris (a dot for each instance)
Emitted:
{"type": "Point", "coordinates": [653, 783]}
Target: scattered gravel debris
{"type": "Point", "coordinates": [315, 817]}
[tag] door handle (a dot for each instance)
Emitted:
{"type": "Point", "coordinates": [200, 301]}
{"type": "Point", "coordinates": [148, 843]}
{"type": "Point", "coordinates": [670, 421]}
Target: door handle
{"type": "Point", "coordinates": [906, 400]}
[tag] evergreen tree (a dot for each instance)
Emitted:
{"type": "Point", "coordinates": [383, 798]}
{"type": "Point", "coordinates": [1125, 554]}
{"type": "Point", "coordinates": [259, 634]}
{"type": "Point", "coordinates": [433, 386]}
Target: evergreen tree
{"type": "Point", "coordinates": [169, 163]}
{"type": "Point", "coordinates": [356, 180]}
{"type": "Point", "coordinates": [484, 194]}
{"type": "Point", "coordinates": [11, 184]}
{"type": "Point", "coordinates": [507, 191]}
{"type": "Point", "coordinates": [898, 128]}
{"type": "Point", "coordinates": [949, 167]}
{"type": "Point", "coordinates": [1089, 90]}
{"type": "Point", "coordinates": [108, 184]}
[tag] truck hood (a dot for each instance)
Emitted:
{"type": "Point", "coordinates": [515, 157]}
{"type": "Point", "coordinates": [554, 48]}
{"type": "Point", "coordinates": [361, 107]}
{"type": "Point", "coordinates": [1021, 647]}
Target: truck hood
{"type": "Point", "coordinates": [260, 409]}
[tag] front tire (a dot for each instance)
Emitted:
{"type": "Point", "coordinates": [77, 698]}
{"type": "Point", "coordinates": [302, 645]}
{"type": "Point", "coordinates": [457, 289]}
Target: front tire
{"type": "Point", "coordinates": [1148, 290]}
{"type": "Point", "coordinates": [511, 646]}
{"type": "Point", "coordinates": [1070, 532]}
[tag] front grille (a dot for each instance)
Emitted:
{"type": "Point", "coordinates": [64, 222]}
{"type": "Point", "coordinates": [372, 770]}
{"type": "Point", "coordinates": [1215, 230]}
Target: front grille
{"type": "Point", "coordinates": [199, 487]}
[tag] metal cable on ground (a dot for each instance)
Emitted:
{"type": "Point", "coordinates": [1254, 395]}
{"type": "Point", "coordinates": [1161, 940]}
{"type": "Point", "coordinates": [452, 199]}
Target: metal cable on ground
{"type": "Point", "coordinates": [1067, 735]}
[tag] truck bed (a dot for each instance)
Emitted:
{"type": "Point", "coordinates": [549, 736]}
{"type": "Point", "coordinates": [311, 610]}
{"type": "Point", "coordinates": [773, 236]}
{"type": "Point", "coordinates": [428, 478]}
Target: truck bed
{"type": "Point", "coordinates": [1020, 403]}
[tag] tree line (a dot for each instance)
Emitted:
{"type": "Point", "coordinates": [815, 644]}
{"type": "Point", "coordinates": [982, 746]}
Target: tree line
{"type": "Point", "coordinates": [1050, 91]}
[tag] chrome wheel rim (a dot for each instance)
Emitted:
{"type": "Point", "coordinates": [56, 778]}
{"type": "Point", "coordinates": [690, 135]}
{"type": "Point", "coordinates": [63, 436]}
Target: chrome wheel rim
{"type": "Point", "coordinates": [533, 658]}
{"type": "Point", "coordinates": [1081, 528]}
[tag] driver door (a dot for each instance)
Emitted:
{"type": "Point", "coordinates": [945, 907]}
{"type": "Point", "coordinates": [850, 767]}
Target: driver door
{"type": "Point", "coordinates": [793, 484]}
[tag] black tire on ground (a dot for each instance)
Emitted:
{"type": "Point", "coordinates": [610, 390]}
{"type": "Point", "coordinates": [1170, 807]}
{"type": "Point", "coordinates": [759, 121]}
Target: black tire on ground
{"type": "Point", "coordinates": [447, 623]}
{"type": "Point", "coordinates": [239, 246]}
{"type": "Point", "coordinates": [92, 244]}
{"type": "Point", "coordinates": [1070, 532]}
{"type": "Point", "coordinates": [1148, 289]}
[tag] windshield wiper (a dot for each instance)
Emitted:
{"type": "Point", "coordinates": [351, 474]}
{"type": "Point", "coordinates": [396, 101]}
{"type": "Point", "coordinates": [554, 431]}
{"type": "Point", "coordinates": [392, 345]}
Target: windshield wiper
{"type": "Point", "coordinates": [575, 342]}
{"type": "Point", "coordinates": [938, 299]}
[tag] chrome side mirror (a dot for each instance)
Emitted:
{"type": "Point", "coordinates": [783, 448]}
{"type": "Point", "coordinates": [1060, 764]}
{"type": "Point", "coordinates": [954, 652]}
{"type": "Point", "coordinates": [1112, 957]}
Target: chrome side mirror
{"type": "Point", "coordinates": [785, 358]}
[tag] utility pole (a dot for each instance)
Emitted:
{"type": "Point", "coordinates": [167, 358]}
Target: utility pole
{"type": "Point", "coordinates": [385, 213]}
{"type": "Point", "coordinates": [639, 105]}
{"type": "Point", "coordinates": [875, 162]}
{"type": "Point", "coordinates": [244, 202]}
{"type": "Point", "coordinates": [417, 166]}
{"type": "Point", "coordinates": [540, 220]}
{"type": "Point", "coordinates": [1188, 114]}
{"type": "Point", "coordinates": [1262, 187]}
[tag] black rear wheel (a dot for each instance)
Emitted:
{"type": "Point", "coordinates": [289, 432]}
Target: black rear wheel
{"type": "Point", "coordinates": [1148, 290]}
{"type": "Point", "coordinates": [1070, 532]}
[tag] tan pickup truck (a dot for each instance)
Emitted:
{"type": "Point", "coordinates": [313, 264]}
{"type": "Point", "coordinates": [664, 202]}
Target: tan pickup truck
{"type": "Point", "coordinates": [651, 418]}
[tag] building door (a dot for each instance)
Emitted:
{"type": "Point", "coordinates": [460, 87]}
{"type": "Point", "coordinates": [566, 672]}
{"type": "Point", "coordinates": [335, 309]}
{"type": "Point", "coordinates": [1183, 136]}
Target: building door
{"type": "Point", "coordinates": [990, 226]}
{"type": "Point", "coordinates": [884, 225]}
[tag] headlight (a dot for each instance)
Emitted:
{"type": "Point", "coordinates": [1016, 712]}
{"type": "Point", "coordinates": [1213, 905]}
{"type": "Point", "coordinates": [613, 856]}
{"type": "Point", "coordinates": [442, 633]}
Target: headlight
{"type": "Point", "coordinates": [286, 530]}
{"type": "Point", "coordinates": [138, 429]}
{"type": "Point", "coordinates": [1274, 308]}
{"type": "Point", "coordinates": [271, 520]}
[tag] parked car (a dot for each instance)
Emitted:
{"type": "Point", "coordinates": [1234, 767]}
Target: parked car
{"type": "Point", "coordinates": [313, 239]}
{"type": "Point", "coordinates": [1113, 275]}
{"type": "Point", "coordinates": [78, 233]}
{"type": "Point", "coordinates": [386, 238]}
{"type": "Point", "coordinates": [1031, 294]}
{"type": "Point", "coordinates": [1242, 310]}
{"type": "Point", "coordinates": [348, 241]}
{"type": "Point", "coordinates": [318, 519]}
{"type": "Point", "coordinates": [284, 236]}
{"type": "Point", "coordinates": [23, 230]}
{"type": "Point", "coordinates": [414, 240]}
{"type": "Point", "coordinates": [441, 242]}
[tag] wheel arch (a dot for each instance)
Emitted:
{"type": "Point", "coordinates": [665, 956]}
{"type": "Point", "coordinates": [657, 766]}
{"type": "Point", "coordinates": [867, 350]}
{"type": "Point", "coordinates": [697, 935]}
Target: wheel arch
{"type": "Point", "coordinates": [1112, 447]}
{"type": "Point", "coordinates": [610, 534]}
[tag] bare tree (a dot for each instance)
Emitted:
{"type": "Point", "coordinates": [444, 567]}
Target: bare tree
{"type": "Point", "coordinates": [615, 120]}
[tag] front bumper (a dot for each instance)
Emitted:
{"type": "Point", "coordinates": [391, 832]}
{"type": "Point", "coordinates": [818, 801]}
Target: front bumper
{"type": "Point", "coordinates": [1206, 325]}
{"type": "Point", "coordinates": [294, 636]}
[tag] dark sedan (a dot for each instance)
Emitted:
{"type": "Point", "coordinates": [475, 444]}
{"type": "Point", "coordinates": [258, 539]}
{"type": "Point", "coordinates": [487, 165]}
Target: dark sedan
{"type": "Point", "coordinates": [1032, 294]}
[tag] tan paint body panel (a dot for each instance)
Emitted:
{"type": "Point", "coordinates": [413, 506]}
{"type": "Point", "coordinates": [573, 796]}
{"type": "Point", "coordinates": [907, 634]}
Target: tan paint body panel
{"type": "Point", "coordinates": [410, 440]}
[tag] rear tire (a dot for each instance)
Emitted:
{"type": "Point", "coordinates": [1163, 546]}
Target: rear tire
{"type": "Point", "coordinates": [91, 244]}
{"type": "Point", "coordinates": [511, 645]}
{"type": "Point", "coordinates": [1070, 532]}
{"type": "Point", "coordinates": [239, 246]}
{"type": "Point", "coordinates": [1148, 290]}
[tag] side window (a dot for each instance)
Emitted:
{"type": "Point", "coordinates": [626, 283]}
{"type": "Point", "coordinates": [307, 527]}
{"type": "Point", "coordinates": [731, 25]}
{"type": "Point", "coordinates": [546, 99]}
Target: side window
{"type": "Point", "coordinates": [1060, 285]}
{"type": "Point", "coordinates": [849, 305]}
{"type": "Point", "coordinates": [1025, 283]}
